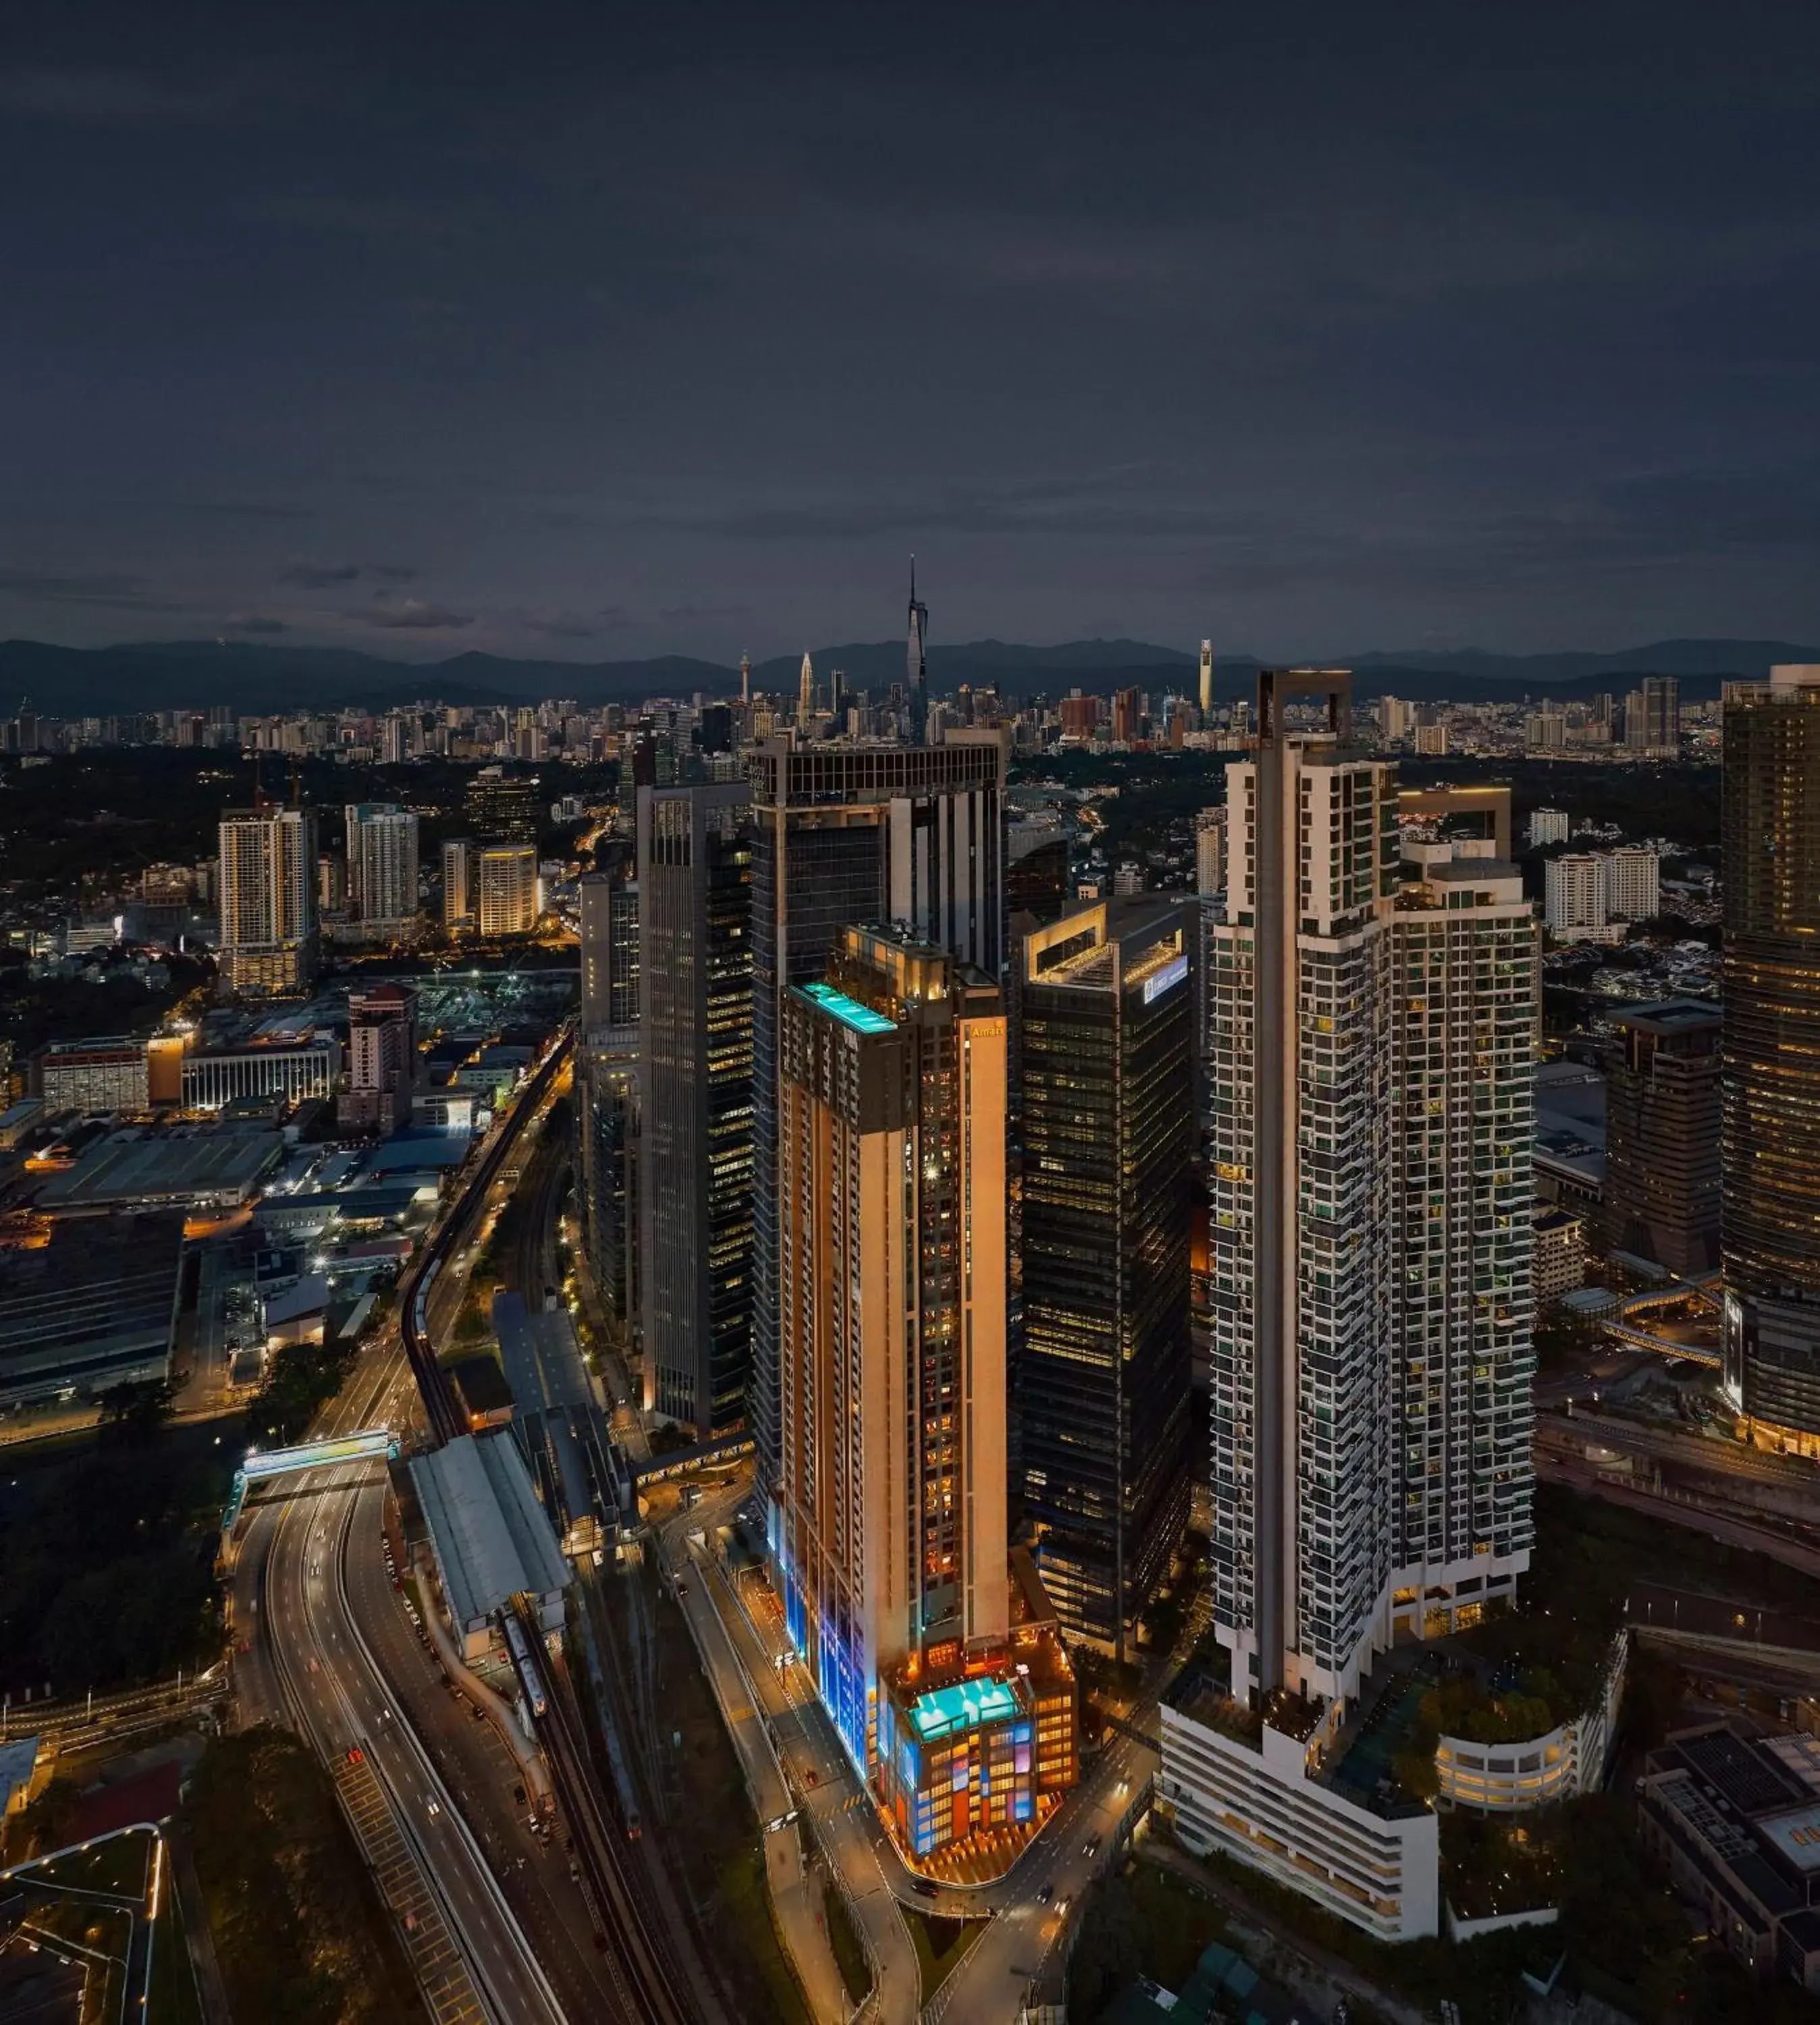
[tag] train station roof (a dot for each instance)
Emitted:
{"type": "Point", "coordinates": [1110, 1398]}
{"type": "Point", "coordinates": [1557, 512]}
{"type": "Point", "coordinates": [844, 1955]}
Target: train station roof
{"type": "Point", "coordinates": [490, 1535]}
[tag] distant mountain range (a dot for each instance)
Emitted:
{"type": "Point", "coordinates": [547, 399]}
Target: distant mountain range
{"type": "Point", "coordinates": [78, 682]}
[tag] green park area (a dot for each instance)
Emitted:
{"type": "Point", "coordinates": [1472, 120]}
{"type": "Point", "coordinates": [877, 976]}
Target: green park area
{"type": "Point", "coordinates": [107, 1556]}
{"type": "Point", "coordinates": [299, 1932]}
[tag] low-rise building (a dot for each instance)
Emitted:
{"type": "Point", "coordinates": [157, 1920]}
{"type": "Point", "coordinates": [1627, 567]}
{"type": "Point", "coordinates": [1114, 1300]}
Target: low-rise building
{"type": "Point", "coordinates": [88, 1303]}
{"type": "Point", "coordinates": [1514, 1777]}
{"type": "Point", "coordinates": [490, 1536]}
{"type": "Point", "coordinates": [210, 1168]}
{"type": "Point", "coordinates": [1735, 1820]}
{"type": "Point", "coordinates": [294, 1066]}
{"type": "Point", "coordinates": [1253, 1793]}
{"type": "Point", "coordinates": [100, 1074]}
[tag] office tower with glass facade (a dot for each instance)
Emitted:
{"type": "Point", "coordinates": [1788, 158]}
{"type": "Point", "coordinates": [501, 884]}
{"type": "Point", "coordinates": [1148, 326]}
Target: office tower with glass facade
{"type": "Point", "coordinates": [267, 890]}
{"type": "Point", "coordinates": [843, 833]}
{"type": "Point", "coordinates": [1771, 1130]}
{"type": "Point", "coordinates": [506, 889]}
{"type": "Point", "coordinates": [696, 1184]}
{"type": "Point", "coordinates": [1661, 1196]}
{"type": "Point", "coordinates": [1373, 1017]}
{"type": "Point", "coordinates": [502, 807]}
{"type": "Point", "coordinates": [382, 865]}
{"type": "Point", "coordinates": [609, 1121]}
{"type": "Point", "coordinates": [609, 939]}
{"type": "Point", "coordinates": [608, 1115]}
{"type": "Point", "coordinates": [1105, 1009]}
{"type": "Point", "coordinates": [1661, 716]}
{"type": "Point", "coordinates": [948, 1693]}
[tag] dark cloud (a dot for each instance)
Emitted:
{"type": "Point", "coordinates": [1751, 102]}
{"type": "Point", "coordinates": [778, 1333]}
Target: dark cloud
{"type": "Point", "coordinates": [691, 614]}
{"type": "Point", "coordinates": [119, 593]}
{"type": "Point", "coordinates": [324, 576]}
{"type": "Point", "coordinates": [1312, 327]}
{"type": "Point", "coordinates": [319, 576]}
{"type": "Point", "coordinates": [415, 614]}
{"type": "Point", "coordinates": [558, 626]}
{"type": "Point", "coordinates": [253, 622]}
{"type": "Point", "coordinates": [116, 98]}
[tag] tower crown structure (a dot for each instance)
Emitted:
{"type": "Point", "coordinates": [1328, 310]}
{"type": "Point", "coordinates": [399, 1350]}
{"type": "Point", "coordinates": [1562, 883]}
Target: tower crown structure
{"type": "Point", "coordinates": [918, 668]}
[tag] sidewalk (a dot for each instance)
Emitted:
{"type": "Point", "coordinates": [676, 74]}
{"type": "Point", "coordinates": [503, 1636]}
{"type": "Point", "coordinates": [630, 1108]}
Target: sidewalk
{"type": "Point", "coordinates": [796, 1910]}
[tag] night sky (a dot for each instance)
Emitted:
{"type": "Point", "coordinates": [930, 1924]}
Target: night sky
{"type": "Point", "coordinates": [591, 331]}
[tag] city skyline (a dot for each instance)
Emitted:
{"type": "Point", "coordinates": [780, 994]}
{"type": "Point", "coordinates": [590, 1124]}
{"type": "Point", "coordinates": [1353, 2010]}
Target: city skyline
{"type": "Point", "coordinates": [806, 1218]}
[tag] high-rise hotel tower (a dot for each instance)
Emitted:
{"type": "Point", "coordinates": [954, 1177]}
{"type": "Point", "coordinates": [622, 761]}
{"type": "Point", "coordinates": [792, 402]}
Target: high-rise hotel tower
{"type": "Point", "coordinates": [844, 833]}
{"type": "Point", "coordinates": [948, 1691]}
{"type": "Point", "coordinates": [1372, 1024]}
{"type": "Point", "coordinates": [1770, 1138]}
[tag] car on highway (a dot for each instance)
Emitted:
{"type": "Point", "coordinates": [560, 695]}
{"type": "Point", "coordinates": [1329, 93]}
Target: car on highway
{"type": "Point", "coordinates": [1091, 1846]}
{"type": "Point", "coordinates": [1044, 1896]}
{"type": "Point", "coordinates": [923, 1885]}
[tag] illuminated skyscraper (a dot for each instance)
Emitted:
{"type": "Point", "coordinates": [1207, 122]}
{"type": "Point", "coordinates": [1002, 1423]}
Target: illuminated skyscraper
{"type": "Point", "coordinates": [696, 1177]}
{"type": "Point", "coordinates": [608, 1112]}
{"type": "Point", "coordinates": [503, 807]}
{"type": "Point", "coordinates": [892, 1522]}
{"type": "Point", "coordinates": [609, 939]}
{"type": "Point", "coordinates": [806, 693]}
{"type": "Point", "coordinates": [846, 833]}
{"type": "Point", "coordinates": [460, 877]}
{"type": "Point", "coordinates": [1106, 1073]}
{"type": "Point", "coordinates": [268, 902]}
{"type": "Point", "coordinates": [1206, 678]}
{"type": "Point", "coordinates": [506, 887]}
{"type": "Point", "coordinates": [1771, 1133]}
{"type": "Point", "coordinates": [1372, 1037]}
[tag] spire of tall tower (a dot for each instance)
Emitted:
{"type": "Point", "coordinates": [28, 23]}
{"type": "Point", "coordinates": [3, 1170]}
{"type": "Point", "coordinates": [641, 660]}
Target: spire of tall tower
{"type": "Point", "coordinates": [918, 664]}
{"type": "Point", "coordinates": [745, 677]}
{"type": "Point", "coordinates": [806, 694]}
{"type": "Point", "coordinates": [1206, 676]}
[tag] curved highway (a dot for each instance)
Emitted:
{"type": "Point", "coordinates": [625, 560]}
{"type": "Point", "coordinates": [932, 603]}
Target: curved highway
{"type": "Point", "coordinates": [469, 1952]}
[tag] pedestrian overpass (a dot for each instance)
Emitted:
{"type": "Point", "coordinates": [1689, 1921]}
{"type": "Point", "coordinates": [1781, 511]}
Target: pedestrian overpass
{"type": "Point", "coordinates": [370, 1445]}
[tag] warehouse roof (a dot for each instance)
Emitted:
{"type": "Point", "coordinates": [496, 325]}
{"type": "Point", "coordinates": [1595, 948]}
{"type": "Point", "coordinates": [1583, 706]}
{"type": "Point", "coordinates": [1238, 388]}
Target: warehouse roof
{"type": "Point", "coordinates": [150, 1165]}
{"type": "Point", "coordinates": [93, 1306]}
